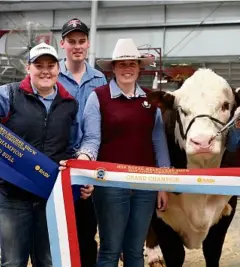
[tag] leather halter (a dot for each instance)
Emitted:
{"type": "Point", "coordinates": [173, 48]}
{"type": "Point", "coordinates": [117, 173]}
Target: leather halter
{"type": "Point", "coordinates": [178, 119]}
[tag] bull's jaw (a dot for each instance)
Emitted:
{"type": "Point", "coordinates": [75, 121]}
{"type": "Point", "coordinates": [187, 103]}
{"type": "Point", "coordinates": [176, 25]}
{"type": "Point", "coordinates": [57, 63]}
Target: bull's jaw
{"type": "Point", "coordinates": [204, 161]}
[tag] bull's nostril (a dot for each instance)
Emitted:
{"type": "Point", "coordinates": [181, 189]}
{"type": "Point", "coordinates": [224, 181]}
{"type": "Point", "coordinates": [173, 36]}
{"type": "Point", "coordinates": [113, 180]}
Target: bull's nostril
{"type": "Point", "coordinates": [195, 142]}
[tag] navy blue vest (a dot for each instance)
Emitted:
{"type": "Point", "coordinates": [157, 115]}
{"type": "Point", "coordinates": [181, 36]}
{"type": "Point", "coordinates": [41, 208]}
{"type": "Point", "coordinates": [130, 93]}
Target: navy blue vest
{"type": "Point", "coordinates": [47, 132]}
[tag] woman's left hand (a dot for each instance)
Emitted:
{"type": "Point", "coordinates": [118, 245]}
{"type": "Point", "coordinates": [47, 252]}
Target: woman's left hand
{"type": "Point", "coordinates": [86, 191]}
{"type": "Point", "coordinates": [162, 200]}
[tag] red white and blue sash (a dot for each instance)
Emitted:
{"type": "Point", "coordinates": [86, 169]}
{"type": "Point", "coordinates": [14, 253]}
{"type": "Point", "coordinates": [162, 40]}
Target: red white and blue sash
{"type": "Point", "coordinates": [60, 211]}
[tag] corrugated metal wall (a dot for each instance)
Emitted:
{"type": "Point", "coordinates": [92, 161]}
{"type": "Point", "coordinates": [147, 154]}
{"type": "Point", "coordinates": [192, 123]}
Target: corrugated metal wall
{"type": "Point", "coordinates": [230, 71]}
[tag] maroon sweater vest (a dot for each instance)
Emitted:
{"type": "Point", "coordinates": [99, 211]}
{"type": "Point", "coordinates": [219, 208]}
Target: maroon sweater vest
{"type": "Point", "coordinates": [126, 129]}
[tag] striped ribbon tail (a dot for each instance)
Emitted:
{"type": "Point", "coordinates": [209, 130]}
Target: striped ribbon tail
{"type": "Point", "coordinates": [62, 224]}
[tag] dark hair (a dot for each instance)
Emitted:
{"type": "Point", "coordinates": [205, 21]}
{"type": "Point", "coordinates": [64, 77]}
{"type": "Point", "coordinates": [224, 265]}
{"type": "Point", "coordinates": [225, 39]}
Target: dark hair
{"type": "Point", "coordinates": [114, 62]}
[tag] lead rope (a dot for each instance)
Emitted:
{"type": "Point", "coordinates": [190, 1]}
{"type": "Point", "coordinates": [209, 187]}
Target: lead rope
{"type": "Point", "coordinates": [229, 125]}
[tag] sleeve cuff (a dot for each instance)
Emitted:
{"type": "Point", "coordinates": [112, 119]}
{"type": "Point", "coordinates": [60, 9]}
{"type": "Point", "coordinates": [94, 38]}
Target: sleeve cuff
{"type": "Point", "coordinates": [87, 152]}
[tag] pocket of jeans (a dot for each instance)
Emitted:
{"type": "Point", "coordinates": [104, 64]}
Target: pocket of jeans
{"type": "Point", "coordinates": [7, 202]}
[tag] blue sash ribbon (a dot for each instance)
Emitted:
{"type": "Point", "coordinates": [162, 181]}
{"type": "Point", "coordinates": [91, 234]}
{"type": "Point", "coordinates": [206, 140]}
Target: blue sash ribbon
{"type": "Point", "coordinates": [24, 166]}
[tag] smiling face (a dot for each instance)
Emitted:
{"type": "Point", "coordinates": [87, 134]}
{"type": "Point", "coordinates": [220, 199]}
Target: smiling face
{"type": "Point", "coordinates": [76, 45]}
{"type": "Point", "coordinates": [44, 72]}
{"type": "Point", "coordinates": [126, 71]}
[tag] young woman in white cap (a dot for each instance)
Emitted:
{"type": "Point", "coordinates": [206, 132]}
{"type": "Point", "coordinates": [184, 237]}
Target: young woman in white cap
{"type": "Point", "coordinates": [122, 127]}
{"type": "Point", "coordinates": [41, 111]}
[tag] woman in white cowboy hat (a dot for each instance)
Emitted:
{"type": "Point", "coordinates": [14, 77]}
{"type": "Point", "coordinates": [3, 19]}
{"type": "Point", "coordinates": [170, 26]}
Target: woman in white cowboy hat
{"type": "Point", "coordinates": [122, 127]}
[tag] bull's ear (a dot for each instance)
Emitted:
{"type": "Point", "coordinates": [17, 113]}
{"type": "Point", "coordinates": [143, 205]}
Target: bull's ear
{"type": "Point", "coordinates": [237, 95]}
{"type": "Point", "coordinates": [161, 99]}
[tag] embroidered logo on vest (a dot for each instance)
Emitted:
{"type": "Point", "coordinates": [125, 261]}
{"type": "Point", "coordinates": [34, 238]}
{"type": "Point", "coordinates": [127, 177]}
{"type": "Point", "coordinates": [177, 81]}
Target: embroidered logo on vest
{"type": "Point", "coordinates": [145, 104]}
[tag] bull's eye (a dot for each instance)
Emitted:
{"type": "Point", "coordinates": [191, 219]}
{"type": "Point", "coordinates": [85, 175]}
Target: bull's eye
{"type": "Point", "coordinates": [225, 106]}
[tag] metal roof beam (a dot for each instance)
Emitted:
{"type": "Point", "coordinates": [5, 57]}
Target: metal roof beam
{"type": "Point", "coordinates": [41, 5]}
{"type": "Point", "coordinates": [29, 5]}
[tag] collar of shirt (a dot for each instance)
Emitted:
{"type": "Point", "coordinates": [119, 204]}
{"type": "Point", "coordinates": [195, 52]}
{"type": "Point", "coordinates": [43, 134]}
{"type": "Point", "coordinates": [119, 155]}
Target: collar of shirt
{"type": "Point", "coordinates": [49, 97]}
{"type": "Point", "coordinates": [89, 74]}
{"type": "Point", "coordinates": [115, 91]}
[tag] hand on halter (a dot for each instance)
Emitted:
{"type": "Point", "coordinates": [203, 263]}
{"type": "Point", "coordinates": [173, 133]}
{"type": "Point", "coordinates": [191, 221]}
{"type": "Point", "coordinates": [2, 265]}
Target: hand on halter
{"type": "Point", "coordinates": [162, 200]}
{"type": "Point", "coordinates": [237, 113]}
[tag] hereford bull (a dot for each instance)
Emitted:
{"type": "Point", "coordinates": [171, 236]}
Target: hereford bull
{"type": "Point", "coordinates": [204, 103]}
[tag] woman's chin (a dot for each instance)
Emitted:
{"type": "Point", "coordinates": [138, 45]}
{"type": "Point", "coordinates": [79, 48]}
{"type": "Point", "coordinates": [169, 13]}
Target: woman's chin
{"type": "Point", "coordinates": [45, 85]}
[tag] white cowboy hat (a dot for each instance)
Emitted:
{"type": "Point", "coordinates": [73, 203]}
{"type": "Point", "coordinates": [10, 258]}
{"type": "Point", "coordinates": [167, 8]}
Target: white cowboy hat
{"type": "Point", "coordinates": [125, 49]}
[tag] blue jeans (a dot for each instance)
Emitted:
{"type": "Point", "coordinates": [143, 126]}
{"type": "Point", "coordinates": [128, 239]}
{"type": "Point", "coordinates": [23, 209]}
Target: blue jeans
{"type": "Point", "coordinates": [123, 216]}
{"type": "Point", "coordinates": [23, 231]}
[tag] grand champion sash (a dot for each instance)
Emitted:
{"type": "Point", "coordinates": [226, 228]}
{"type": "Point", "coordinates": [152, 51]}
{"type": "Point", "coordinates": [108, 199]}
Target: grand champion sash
{"type": "Point", "coordinates": [24, 166]}
{"type": "Point", "coordinates": [60, 208]}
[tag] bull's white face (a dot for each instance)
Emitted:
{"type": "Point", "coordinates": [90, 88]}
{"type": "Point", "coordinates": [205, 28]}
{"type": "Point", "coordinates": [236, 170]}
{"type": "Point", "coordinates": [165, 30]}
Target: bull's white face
{"type": "Point", "coordinates": [204, 93]}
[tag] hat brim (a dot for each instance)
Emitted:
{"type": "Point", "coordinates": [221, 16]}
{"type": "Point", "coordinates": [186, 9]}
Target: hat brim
{"type": "Point", "coordinates": [45, 54]}
{"type": "Point", "coordinates": [74, 30]}
{"type": "Point", "coordinates": [106, 64]}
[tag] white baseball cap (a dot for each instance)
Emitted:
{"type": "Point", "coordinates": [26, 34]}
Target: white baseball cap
{"type": "Point", "coordinates": [40, 50]}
